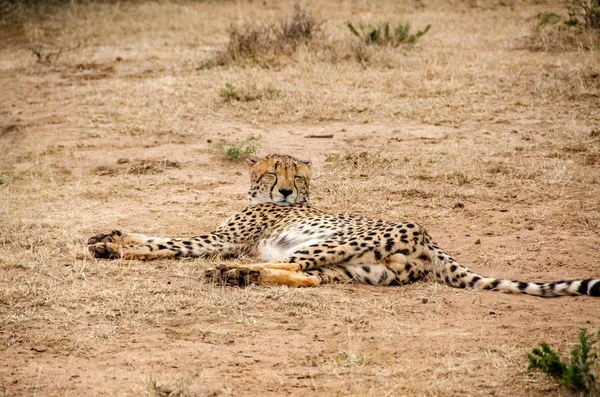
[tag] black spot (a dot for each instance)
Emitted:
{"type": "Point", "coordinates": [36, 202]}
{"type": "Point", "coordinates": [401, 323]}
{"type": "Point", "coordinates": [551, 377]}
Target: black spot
{"type": "Point", "coordinates": [492, 285]}
{"type": "Point", "coordinates": [522, 286]}
{"type": "Point", "coordinates": [403, 231]}
{"type": "Point", "coordinates": [389, 245]}
{"type": "Point", "coordinates": [407, 267]}
{"type": "Point", "coordinates": [366, 268]}
{"type": "Point", "coordinates": [377, 255]}
{"type": "Point", "coordinates": [410, 225]}
{"type": "Point", "coordinates": [387, 235]}
{"type": "Point", "coordinates": [207, 241]}
{"type": "Point", "coordinates": [162, 247]}
{"type": "Point", "coordinates": [149, 248]}
{"type": "Point", "coordinates": [187, 243]}
{"type": "Point", "coordinates": [453, 268]}
{"type": "Point", "coordinates": [151, 240]}
{"type": "Point", "coordinates": [348, 274]}
{"type": "Point", "coordinates": [583, 287]}
{"type": "Point", "coordinates": [170, 242]}
{"type": "Point", "coordinates": [303, 252]}
{"type": "Point", "coordinates": [412, 277]}
{"type": "Point", "coordinates": [395, 282]}
{"type": "Point", "coordinates": [473, 281]}
{"type": "Point", "coordinates": [368, 238]}
{"type": "Point", "coordinates": [353, 243]}
{"type": "Point", "coordinates": [423, 257]}
{"type": "Point", "coordinates": [461, 285]}
{"type": "Point", "coordinates": [595, 290]}
{"type": "Point", "coordinates": [403, 252]}
{"type": "Point", "coordinates": [341, 253]}
{"type": "Point", "coordinates": [440, 257]}
{"type": "Point", "coordinates": [383, 277]}
{"type": "Point", "coordinates": [322, 259]}
{"type": "Point", "coordinates": [317, 251]}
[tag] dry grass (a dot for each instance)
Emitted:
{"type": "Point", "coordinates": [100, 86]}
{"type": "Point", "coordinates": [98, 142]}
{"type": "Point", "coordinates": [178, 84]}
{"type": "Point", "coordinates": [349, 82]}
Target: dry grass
{"type": "Point", "coordinates": [467, 132]}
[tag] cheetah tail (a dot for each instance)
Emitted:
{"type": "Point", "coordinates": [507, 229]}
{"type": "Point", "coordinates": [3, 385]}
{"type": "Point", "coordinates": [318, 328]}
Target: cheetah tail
{"type": "Point", "coordinates": [449, 272]}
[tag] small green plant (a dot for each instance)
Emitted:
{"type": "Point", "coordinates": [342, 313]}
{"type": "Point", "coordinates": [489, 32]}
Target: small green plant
{"type": "Point", "coordinates": [546, 18]}
{"type": "Point", "coordinates": [239, 149]}
{"type": "Point", "coordinates": [229, 93]}
{"type": "Point", "coordinates": [577, 375]}
{"type": "Point", "coordinates": [383, 34]}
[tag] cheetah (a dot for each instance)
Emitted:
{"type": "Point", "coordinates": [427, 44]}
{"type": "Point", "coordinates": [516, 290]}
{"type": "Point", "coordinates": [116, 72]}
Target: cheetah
{"type": "Point", "coordinates": [301, 246]}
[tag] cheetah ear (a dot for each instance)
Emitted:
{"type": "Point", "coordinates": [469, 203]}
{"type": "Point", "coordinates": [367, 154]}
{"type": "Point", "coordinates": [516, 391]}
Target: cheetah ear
{"type": "Point", "coordinates": [250, 161]}
{"type": "Point", "coordinates": [307, 162]}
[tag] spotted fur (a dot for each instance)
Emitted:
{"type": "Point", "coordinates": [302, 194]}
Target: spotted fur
{"type": "Point", "coordinates": [299, 245]}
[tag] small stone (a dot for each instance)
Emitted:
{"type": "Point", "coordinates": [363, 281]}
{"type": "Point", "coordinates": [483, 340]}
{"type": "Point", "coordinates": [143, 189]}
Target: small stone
{"type": "Point", "coordinates": [122, 161]}
{"type": "Point", "coordinates": [39, 349]}
{"type": "Point", "coordinates": [478, 241]}
{"type": "Point", "coordinates": [424, 300]}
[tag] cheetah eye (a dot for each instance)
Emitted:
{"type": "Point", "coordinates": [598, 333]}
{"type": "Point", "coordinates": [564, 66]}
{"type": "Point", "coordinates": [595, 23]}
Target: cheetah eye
{"type": "Point", "coordinates": [269, 177]}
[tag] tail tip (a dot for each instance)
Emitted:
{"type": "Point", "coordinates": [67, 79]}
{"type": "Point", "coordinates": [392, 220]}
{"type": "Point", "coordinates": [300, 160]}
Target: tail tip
{"type": "Point", "coordinates": [595, 289]}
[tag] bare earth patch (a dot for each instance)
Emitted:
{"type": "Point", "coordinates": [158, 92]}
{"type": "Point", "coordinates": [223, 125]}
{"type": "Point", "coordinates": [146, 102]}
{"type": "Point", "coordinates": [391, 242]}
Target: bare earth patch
{"type": "Point", "coordinates": [493, 148]}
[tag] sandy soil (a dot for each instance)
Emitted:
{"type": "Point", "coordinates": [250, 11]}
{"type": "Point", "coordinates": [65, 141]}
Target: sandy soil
{"type": "Point", "coordinates": [494, 148]}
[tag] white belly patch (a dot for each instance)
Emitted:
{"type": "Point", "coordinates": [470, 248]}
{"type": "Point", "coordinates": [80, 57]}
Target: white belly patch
{"type": "Point", "coordinates": [283, 245]}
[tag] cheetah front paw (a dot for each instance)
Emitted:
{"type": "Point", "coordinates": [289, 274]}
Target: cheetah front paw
{"type": "Point", "coordinates": [111, 237]}
{"type": "Point", "coordinates": [105, 250]}
{"type": "Point", "coordinates": [232, 276]}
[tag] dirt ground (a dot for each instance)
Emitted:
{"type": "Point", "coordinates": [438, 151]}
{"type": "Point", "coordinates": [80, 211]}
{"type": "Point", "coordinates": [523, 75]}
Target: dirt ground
{"type": "Point", "coordinates": [489, 142]}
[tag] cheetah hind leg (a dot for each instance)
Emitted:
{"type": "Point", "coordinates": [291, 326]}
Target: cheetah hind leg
{"type": "Point", "coordinates": [242, 276]}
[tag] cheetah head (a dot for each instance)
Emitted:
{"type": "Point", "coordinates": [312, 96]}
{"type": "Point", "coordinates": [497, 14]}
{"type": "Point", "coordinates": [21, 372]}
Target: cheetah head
{"type": "Point", "coordinates": [279, 179]}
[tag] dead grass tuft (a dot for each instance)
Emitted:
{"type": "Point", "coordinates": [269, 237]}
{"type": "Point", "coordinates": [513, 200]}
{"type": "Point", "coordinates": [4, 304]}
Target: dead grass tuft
{"type": "Point", "coordinates": [250, 92]}
{"type": "Point", "coordinates": [136, 167]}
{"type": "Point", "coordinates": [264, 42]}
{"type": "Point", "coordinates": [559, 39]}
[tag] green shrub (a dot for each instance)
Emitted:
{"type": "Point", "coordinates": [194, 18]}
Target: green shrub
{"type": "Point", "coordinates": [585, 13]}
{"type": "Point", "coordinates": [239, 149]}
{"type": "Point", "coordinates": [577, 375]}
{"type": "Point", "coordinates": [382, 34]}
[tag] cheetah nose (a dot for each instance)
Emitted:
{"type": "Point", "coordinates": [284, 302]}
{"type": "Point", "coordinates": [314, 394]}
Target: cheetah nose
{"type": "Point", "coordinates": [285, 192]}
